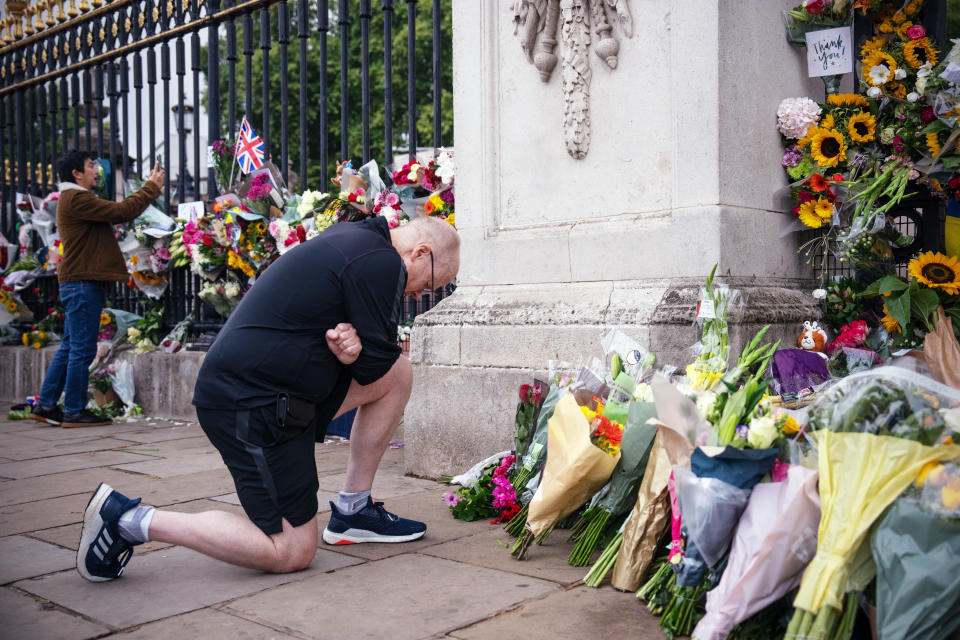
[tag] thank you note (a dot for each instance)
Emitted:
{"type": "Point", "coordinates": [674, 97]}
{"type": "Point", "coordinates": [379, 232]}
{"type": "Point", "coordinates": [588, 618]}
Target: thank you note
{"type": "Point", "coordinates": [829, 52]}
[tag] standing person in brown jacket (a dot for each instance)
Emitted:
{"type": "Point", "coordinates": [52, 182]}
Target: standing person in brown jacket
{"type": "Point", "coordinates": [91, 259]}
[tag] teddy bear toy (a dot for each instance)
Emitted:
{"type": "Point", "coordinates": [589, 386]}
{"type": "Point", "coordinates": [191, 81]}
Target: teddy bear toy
{"type": "Point", "coordinates": [813, 338]}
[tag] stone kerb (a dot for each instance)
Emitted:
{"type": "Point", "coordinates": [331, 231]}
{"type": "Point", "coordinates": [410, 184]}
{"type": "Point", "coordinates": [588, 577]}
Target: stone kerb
{"type": "Point", "coordinates": [163, 382]}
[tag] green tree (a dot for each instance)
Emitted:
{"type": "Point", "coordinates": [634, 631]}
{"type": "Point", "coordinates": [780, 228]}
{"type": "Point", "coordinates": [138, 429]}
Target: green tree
{"type": "Point", "coordinates": [424, 89]}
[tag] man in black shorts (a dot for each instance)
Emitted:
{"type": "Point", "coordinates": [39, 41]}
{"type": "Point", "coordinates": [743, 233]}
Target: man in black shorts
{"type": "Point", "coordinates": [315, 337]}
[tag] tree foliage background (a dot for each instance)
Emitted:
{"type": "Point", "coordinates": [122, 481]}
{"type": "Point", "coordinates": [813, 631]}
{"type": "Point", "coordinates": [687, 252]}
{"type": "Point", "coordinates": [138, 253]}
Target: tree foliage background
{"type": "Point", "coordinates": [315, 75]}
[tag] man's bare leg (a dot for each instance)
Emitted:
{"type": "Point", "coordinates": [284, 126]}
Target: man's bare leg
{"type": "Point", "coordinates": [380, 407]}
{"type": "Point", "coordinates": [235, 539]}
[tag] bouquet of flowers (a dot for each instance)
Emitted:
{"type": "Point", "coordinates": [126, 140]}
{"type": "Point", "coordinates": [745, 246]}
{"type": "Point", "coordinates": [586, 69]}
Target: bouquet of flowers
{"type": "Point", "coordinates": [145, 334]}
{"type": "Point", "coordinates": [531, 397]}
{"type": "Point", "coordinates": [35, 338]}
{"type": "Point", "coordinates": [491, 495]}
{"type": "Point", "coordinates": [100, 378]}
{"type": "Point", "coordinates": [207, 242]}
{"type": "Point", "coordinates": [576, 468]}
{"type": "Point", "coordinates": [774, 541]}
{"type": "Point", "coordinates": [714, 346]}
{"type": "Point", "coordinates": [223, 296]}
{"type": "Point", "coordinates": [173, 341]}
{"type": "Point", "coordinates": [621, 492]}
{"type": "Point", "coordinates": [877, 450]}
{"type": "Point", "coordinates": [222, 153]}
{"type": "Point", "coordinates": [53, 321]}
{"type": "Point", "coordinates": [12, 306]}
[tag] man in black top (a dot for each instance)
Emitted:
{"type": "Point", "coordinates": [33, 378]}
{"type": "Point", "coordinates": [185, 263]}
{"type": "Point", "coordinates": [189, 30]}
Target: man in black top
{"type": "Point", "coordinates": [315, 337]}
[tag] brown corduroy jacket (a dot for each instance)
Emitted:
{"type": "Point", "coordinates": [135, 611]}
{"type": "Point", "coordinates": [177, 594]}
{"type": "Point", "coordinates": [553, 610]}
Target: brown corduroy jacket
{"type": "Point", "coordinates": [85, 223]}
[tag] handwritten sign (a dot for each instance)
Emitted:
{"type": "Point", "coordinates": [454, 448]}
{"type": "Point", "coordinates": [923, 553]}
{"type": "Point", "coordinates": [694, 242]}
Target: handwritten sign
{"type": "Point", "coordinates": [829, 52]}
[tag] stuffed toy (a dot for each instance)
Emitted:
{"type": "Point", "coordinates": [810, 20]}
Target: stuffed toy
{"type": "Point", "coordinates": [813, 338]}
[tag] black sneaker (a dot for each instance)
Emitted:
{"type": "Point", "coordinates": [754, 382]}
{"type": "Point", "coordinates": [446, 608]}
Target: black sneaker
{"type": "Point", "coordinates": [52, 415]}
{"type": "Point", "coordinates": [373, 523]}
{"type": "Point", "coordinates": [85, 418]}
{"type": "Point", "coordinates": [103, 553]}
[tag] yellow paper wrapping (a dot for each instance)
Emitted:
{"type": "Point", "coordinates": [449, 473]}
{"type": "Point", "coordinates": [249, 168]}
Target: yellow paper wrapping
{"type": "Point", "coordinates": [651, 513]}
{"type": "Point", "coordinates": [575, 468]}
{"type": "Point", "coordinates": [860, 475]}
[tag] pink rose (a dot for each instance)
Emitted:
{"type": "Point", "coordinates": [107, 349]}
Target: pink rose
{"type": "Point", "coordinates": [916, 32]}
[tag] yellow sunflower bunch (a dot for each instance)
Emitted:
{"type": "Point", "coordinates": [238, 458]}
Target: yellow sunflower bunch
{"type": "Point", "coordinates": [898, 20]}
{"type": "Point", "coordinates": [918, 52]}
{"type": "Point", "coordinates": [234, 261]}
{"type": "Point", "coordinates": [937, 271]}
{"type": "Point", "coordinates": [8, 302]}
{"type": "Point", "coordinates": [933, 144]}
{"type": "Point", "coordinates": [816, 213]}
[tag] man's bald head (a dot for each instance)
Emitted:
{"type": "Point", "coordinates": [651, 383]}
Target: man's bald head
{"type": "Point", "coordinates": [423, 236]}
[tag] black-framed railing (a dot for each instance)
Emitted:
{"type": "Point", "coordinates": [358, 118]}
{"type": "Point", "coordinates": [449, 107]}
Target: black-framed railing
{"type": "Point", "coordinates": [106, 77]}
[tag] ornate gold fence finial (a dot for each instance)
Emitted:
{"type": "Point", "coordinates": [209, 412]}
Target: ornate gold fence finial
{"type": "Point", "coordinates": [72, 11]}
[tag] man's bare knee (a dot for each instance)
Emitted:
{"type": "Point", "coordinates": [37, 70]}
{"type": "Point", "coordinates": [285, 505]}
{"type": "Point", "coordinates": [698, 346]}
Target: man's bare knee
{"type": "Point", "coordinates": [294, 557]}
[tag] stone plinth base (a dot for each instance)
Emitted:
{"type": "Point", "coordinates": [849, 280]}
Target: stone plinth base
{"type": "Point", "coordinates": [163, 382]}
{"type": "Point", "coordinates": [472, 351]}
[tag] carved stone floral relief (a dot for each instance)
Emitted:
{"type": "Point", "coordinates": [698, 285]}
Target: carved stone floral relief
{"type": "Point", "coordinates": [579, 24]}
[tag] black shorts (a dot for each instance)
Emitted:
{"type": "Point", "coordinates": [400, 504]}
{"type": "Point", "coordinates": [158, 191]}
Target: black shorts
{"type": "Point", "coordinates": [273, 468]}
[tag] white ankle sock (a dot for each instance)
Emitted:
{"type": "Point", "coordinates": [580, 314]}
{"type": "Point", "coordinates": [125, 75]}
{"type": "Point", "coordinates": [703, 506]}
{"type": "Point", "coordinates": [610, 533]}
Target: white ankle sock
{"type": "Point", "coordinates": [350, 503]}
{"type": "Point", "coordinates": [135, 524]}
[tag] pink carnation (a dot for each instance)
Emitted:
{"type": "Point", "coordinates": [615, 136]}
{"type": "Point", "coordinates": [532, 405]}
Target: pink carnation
{"type": "Point", "coordinates": [916, 32]}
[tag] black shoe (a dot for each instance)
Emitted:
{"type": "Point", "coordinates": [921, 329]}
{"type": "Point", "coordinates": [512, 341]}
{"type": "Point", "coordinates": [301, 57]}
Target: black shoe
{"type": "Point", "coordinates": [373, 523]}
{"type": "Point", "coordinates": [85, 418]}
{"type": "Point", "coordinates": [52, 416]}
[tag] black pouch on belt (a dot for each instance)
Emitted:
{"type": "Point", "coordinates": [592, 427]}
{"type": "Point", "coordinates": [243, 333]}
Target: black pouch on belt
{"type": "Point", "coordinates": [293, 412]}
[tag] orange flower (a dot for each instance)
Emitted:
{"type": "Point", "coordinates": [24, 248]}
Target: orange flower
{"type": "Point", "coordinates": [428, 207]}
{"type": "Point", "coordinates": [818, 183]}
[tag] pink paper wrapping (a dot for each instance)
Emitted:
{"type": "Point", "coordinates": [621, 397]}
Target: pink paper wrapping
{"type": "Point", "coordinates": [774, 542]}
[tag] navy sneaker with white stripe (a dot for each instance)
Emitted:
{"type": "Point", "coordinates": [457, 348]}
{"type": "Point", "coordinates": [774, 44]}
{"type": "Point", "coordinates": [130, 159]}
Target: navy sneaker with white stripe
{"type": "Point", "coordinates": [373, 523]}
{"type": "Point", "coordinates": [103, 552]}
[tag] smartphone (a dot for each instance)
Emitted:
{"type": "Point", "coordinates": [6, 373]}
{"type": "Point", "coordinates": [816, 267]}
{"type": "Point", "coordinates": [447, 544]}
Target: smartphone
{"type": "Point", "coordinates": [160, 160]}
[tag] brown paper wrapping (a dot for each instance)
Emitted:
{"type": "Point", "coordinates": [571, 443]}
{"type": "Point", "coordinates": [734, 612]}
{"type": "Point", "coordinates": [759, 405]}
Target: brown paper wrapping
{"type": "Point", "coordinates": [942, 352]}
{"type": "Point", "coordinates": [651, 513]}
{"type": "Point", "coordinates": [575, 468]}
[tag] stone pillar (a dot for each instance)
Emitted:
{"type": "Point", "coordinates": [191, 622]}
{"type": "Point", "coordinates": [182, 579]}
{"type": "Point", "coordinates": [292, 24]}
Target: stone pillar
{"type": "Point", "coordinates": [683, 163]}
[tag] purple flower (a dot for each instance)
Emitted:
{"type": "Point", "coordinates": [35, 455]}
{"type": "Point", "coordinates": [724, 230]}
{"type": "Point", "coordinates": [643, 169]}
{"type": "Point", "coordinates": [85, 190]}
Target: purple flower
{"type": "Point", "coordinates": [791, 156]}
{"type": "Point", "coordinates": [742, 431]}
{"type": "Point", "coordinates": [447, 196]}
{"type": "Point", "coordinates": [451, 499]}
{"type": "Point", "coordinates": [220, 147]}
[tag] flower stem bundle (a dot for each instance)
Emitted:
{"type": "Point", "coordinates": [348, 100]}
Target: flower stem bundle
{"type": "Point", "coordinates": [604, 563]}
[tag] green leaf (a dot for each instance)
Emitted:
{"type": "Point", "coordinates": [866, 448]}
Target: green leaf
{"type": "Point", "coordinates": [925, 302]}
{"type": "Point", "coordinates": [899, 307]}
{"type": "Point", "coordinates": [886, 284]}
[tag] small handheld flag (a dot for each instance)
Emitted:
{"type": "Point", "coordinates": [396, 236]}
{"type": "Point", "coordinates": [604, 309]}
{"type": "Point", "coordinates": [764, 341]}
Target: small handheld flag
{"type": "Point", "coordinates": [249, 148]}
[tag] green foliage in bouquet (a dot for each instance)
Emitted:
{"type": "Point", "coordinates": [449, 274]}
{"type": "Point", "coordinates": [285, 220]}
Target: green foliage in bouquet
{"type": "Point", "coordinates": [842, 301]}
{"type": "Point", "coordinates": [881, 409]}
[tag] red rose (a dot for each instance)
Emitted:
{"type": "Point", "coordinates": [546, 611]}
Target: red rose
{"type": "Point", "coordinates": [524, 392]}
{"type": "Point", "coordinates": [838, 177]}
{"type": "Point", "coordinates": [814, 7]}
{"type": "Point", "coordinates": [927, 115]}
{"type": "Point", "coordinates": [916, 32]}
{"type": "Point", "coordinates": [301, 233]}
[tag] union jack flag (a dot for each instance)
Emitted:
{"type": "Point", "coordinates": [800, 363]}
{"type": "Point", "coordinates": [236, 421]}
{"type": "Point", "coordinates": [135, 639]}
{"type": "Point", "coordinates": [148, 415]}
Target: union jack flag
{"type": "Point", "coordinates": [249, 148]}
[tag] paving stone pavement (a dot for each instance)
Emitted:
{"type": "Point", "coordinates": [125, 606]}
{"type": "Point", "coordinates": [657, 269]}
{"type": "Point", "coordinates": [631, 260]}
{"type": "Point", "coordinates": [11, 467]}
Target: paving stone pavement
{"type": "Point", "coordinates": [456, 583]}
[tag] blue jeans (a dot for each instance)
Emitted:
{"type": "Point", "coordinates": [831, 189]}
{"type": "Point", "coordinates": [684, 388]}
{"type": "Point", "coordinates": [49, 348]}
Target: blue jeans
{"type": "Point", "coordinates": [69, 371]}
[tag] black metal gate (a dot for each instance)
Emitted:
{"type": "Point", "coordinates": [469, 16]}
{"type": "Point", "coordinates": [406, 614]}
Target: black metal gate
{"type": "Point", "coordinates": [100, 76]}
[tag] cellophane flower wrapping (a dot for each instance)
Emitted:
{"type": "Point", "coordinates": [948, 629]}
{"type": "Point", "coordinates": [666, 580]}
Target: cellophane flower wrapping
{"type": "Point", "coordinates": [575, 468]}
{"type": "Point", "coordinates": [774, 541]}
{"type": "Point", "coordinates": [915, 547]}
{"type": "Point", "coordinates": [860, 475]}
{"type": "Point", "coordinates": [887, 401]}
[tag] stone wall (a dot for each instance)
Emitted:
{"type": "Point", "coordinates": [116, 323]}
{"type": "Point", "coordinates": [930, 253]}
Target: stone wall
{"type": "Point", "coordinates": [163, 382]}
{"type": "Point", "coordinates": [681, 174]}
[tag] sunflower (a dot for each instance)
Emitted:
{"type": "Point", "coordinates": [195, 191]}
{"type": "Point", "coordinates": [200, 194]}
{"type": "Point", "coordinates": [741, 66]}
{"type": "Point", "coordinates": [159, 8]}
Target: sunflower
{"type": "Point", "coordinates": [260, 227]}
{"type": "Point", "coordinates": [104, 319]}
{"type": "Point", "coordinates": [11, 306]}
{"type": "Point", "coordinates": [918, 52]}
{"type": "Point", "coordinates": [809, 217]}
{"type": "Point", "coordinates": [873, 44]}
{"type": "Point", "coordinates": [862, 127]}
{"type": "Point", "coordinates": [878, 58]}
{"type": "Point", "coordinates": [824, 209]}
{"type": "Point", "coordinates": [933, 144]}
{"type": "Point", "coordinates": [847, 99]}
{"type": "Point", "coordinates": [896, 89]}
{"type": "Point", "coordinates": [828, 148]}
{"type": "Point", "coordinates": [807, 137]}
{"type": "Point", "coordinates": [889, 322]}
{"type": "Point", "coordinates": [826, 122]}
{"type": "Point", "coordinates": [937, 270]}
